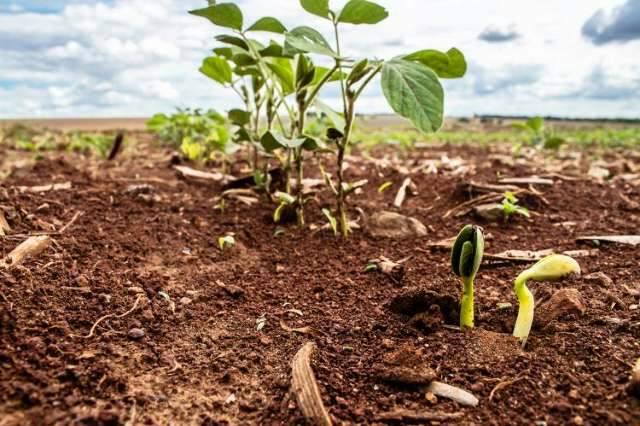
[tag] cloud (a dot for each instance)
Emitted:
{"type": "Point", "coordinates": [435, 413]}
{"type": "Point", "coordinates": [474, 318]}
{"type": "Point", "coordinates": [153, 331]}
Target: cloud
{"type": "Point", "coordinates": [494, 34]}
{"type": "Point", "coordinates": [600, 84]}
{"type": "Point", "coordinates": [621, 25]}
{"type": "Point", "coordinates": [505, 79]}
{"type": "Point", "coordinates": [138, 57]}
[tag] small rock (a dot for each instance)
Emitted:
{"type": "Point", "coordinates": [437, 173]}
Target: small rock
{"type": "Point", "coordinates": [393, 225]}
{"type": "Point", "coordinates": [387, 343]}
{"type": "Point", "coordinates": [135, 290]}
{"type": "Point", "coordinates": [491, 212]}
{"type": "Point", "coordinates": [567, 301]}
{"type": "Point", "coordinates": [184, 301]}
{"type": "Point", "coordinates": [600, 278]}
{"type": "Point", "coordinates": [105, 298]}
{"type": "Point", "coordinates": [139, 189]}
{"type": "Point", "coordinates": [577, 420]}
{"type": "Point", "coordinates": [234, 291]}
{"type": "Point", "coordinates": [230, 399]}
{"type": "Point", "coordinates": [136, 333]}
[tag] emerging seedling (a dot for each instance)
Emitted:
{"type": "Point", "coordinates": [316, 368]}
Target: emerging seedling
{"type": "Point", "coordinates": [227, 241]}
{"type": "Point", "coordinates": [510, 206]}
{"type": "Point", "coordinates": [551, 268]}
{"type": "Point", "coordinates": [466, 257]}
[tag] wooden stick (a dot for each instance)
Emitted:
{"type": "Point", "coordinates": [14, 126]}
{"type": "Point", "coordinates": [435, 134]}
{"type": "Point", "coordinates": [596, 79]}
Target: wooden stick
{"type": "Point", "coordinates": [46, 188]}
{"type": "Point", "coordinates": [404, 415]}
{"type": "Point", "coordinates": [4, 226]}
{"type": "Point", "coordinates": [31, 247]}
{"type": "Point", "coordinates": [305, 388]}
{"type": "Point", "coordinates": [402, 193]}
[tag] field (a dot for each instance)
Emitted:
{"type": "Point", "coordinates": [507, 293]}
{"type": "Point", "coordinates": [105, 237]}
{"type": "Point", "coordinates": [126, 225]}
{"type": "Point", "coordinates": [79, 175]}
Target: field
{"type": "Point", "coordinates": [136, 313]}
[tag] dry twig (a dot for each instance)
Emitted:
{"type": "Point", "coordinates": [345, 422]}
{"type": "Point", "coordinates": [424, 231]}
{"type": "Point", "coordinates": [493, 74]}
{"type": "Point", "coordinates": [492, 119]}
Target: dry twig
{"type": "Point", "coordinates": [305, 388]}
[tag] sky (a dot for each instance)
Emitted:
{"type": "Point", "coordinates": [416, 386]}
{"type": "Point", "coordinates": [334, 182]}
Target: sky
{"type": "Point", "coordinates": [116, 58]}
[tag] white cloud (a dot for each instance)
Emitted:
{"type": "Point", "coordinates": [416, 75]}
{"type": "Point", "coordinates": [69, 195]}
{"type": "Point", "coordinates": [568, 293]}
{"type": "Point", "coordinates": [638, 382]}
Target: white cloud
{"type": "Point", "coordinates": [136, 57]}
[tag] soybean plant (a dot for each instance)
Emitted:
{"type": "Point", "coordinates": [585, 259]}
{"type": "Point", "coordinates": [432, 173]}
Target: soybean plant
{"type": "Point", "coordinates": [410, 82]}
{"type": "Point", "coordinates": [466, 257]}
{"type": "Point", "coordinates": [550, 268]}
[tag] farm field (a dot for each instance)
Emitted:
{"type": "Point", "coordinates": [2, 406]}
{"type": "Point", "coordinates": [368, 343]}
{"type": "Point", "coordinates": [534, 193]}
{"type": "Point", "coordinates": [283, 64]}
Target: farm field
{"type": "Point", "coordinates": [136, 312]}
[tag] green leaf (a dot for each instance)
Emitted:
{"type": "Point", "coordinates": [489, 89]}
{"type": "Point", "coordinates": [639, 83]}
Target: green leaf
{"type": "Point", "coordinates": [320, 72]}
{"type": "Point", "coordinates": [384, 187]}
{"type": "Point", "coordinates": [536, 124]}
{"type": "Point", "coordinates": [243, 60]}
{"type": "Point", "coordinates": [414, 92]}
{"type": "Point", "coordinates": [273, 50]}
{"type": "Point", "coordinates": [465, 235]}
{"type": "Point", "coordinates": [362, 12]}
{"type": "Point", "coordinates": [332, 220]}
{"type": "Point", "coordinates": [217, 68]}
{"type": "Point", "coordinates": [553, 142]}
{"type": "Point", "coordinates": [336, 119]}
{"type": "Point", "coordinates": [447, 65]}
{"type": "Point", "coordinates": [225, 52]}
{"type": "Point", "coordinates": [222, 14]}
{"type": "Point", "coordinates": [306, 39]}
{"type": "Point", "coordinates": [358, 71]}
{"type": "Point", "coordinates": [232, 40]}
{"type": "Point", "coordinates": [268, 24]}
{"type": "Point", "coordinates": [271, 141]}
{"type": "Point", "coordinates": [239, 117]}
{"type": "Point", "coordinates": [283, 69]}
{"type": "Point", "coordinates": [316, 7]}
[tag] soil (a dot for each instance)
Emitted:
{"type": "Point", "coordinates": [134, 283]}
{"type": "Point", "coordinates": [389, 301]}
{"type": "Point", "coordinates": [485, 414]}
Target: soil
{"type": "Point", "coordinates": [191, 352]}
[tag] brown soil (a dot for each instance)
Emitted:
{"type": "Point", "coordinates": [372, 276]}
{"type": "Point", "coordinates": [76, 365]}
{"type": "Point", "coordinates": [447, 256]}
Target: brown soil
{"type": "Point", "coordinates": [202, 360]}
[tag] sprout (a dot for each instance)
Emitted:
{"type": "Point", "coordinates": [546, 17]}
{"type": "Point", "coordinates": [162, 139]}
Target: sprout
{"type": "Point", "coordinates": [550, 268]}
{"type": "Point", "coordinates": [466, 256]}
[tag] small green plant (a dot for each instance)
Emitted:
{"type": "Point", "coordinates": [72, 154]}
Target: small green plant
{"type": "Point", "coordinates": [551, 268]}
{"type": "Point", "coordinates": [540, 137]}
{"type": "Point", "coordinates": [91, 143]}
{"type": "Point", "coordinates": [510, 206]}
{"type": "Point", "coordinates": [226, 242]}
{"type": "Point", "coordinates": [466, 257]}
{"type": "Point", "coordinates": [283, 78]}
{"type": "Point", "coordinates": [198, 135]}
{"type": "Point", "coordinates": [333, 223]}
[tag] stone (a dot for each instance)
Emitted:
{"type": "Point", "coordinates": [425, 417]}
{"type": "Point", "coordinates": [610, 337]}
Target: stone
{"type": "Point", "coordinates": [136, 333]}
{"type": "Point", "coordinates": [393, 225]}
{"type": "Point", "coordinates": [405, 365]}
{"type": "Point", "coordinates": [564, 302]}
{"type": "Point", "coordinates": [600, 278]}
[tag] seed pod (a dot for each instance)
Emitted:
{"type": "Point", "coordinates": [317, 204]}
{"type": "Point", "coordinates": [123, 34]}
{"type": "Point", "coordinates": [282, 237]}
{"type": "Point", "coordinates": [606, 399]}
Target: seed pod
{"type": "Point", "coordinates": [552, 267]}
{"type": "Point", "coordinates": [467, 251]}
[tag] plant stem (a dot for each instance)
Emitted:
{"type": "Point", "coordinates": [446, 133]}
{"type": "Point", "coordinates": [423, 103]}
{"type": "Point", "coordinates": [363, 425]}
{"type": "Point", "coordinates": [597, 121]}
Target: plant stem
{"type": "Point", "coordinates": [526, 307]}
{"type": "Point", "coordinates": [466, 305]}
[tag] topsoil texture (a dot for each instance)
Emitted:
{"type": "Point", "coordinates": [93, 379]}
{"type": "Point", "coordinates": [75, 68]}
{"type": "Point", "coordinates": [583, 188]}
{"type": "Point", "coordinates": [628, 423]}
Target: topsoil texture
{"type": "Point", "coordinates": [209, 340]}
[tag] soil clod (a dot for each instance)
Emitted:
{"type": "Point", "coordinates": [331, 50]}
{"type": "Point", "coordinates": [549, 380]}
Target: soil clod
{"type": "Point", "coordinates": [564, 302]}
{"type": "Point", "coordinates": [393, 225]}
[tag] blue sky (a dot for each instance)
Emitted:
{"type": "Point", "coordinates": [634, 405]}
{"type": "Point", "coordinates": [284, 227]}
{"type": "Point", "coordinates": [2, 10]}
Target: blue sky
{"type": "Point", "coordinates": [80, 58]}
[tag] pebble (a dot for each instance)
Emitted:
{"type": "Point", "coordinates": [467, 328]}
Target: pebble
{"type": "Point", "coordinates": [105, 298]}
{"type": "Point", "coordinates": [184, 301]}
{"type": "Point", "coordinates": [135, 290]}
{"type": "Point", "coordinates": [136, 333]}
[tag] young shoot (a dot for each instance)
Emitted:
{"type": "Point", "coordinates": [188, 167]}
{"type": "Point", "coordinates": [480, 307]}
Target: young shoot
{"type": "Point", "coordinates": [466, 257]}
{"type": "Point", "coordinates": [410, 82]}
{"type": "Point", "coordinates": [551, 268]}
{"type": "Point", "coordinates": [510, 207]}
{"type": "Point", "coordinates": [226, 242]}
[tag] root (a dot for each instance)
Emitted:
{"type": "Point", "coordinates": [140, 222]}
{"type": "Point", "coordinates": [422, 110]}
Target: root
{"type": "Point", "coordinates": [305, 388]}
{"type": "Point", "coordinates": [504, 384]}
{"type": "Point", "coordinates": [71, 222]}
{"type": "Point", "coordinates": [95, 324]}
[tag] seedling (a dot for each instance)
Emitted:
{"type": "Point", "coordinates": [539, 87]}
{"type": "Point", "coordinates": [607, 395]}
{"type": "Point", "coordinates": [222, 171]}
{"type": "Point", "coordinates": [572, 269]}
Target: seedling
{"type": "Point", "coordinates": [226, 242]}
{"type": "Point", "coordinates": [333, 223]}
{"type": "Point", "coordinates": [466, 257]}
{"type": "Point", "coordinates": [283, 78]}
{"type": "Point", "coordinates": [540, 137]}
{"type": "Point", "coordinates": [510, 206]}
{"type": "Point", "coordinates": [198, 135]}
{"type": "Point", "coordinates": [384, 187]}
{"type": "Point", "coordinates": [551, 268]}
